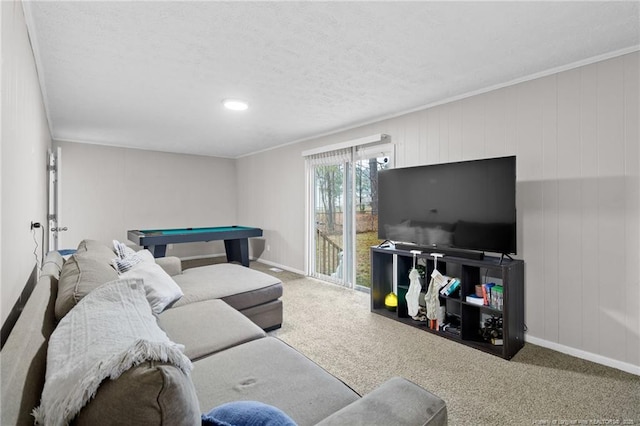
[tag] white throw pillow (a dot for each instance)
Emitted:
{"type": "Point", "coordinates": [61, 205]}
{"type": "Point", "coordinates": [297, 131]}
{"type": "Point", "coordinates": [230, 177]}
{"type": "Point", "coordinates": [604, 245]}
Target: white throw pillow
{"type": "Point", "coordinates": [126, 258]}
{"type": "Point", "coordinates": [161, 289]}
{"type": "Point", "coordinates": [122, 250]}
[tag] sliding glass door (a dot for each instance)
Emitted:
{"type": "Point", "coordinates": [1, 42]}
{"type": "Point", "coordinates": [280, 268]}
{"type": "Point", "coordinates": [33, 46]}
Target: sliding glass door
{"type": "Point", "coordinates": [343, 200]}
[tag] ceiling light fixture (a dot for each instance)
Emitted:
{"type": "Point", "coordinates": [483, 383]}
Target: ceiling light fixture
{"type": "Point", "coordinates": [235, 104]}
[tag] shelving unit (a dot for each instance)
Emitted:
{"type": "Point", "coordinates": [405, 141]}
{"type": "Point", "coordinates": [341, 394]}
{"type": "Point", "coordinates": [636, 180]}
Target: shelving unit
{"type": "Point", "coordinates": [389, 265]}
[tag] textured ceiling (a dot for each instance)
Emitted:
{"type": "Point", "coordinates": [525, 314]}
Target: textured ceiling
{"type": "Point", "coordinates": [152, 75]}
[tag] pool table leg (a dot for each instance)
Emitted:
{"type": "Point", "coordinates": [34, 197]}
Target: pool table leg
{"type": "Point", "coordinates": [237, 251]}
{"type": "Point", "coordinates": [158, 251]}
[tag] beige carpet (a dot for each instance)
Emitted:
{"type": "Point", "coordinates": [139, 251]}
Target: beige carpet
{"type": "Point", "coordinates": [334, 327]}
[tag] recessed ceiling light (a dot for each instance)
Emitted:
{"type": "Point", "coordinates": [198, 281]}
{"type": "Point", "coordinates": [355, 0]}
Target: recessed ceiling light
{"type": "Point", "coordinates": [235, 104]}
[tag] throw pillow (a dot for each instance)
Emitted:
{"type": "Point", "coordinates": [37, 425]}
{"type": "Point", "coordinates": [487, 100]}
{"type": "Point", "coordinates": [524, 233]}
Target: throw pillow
{"type": "Point", "coordinates": [124, 264]}
{"type": "Point", "coordinates": [95, 247]}
{"type": "Point", "coordinates": [81, 273]}
{"type": "Point", "coordinates": [250, 413]}
{"type": "Point", "coordinates": [122, 250]}
{"type": "Point", "coordinates": [162, 291]}
{"type": "Point", "coordinates": [126, 258]}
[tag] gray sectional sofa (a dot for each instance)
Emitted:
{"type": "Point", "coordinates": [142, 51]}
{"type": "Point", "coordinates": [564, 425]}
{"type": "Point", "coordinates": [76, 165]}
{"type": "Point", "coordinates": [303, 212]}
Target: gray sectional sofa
{"type": "Point", "coordinates": [225, 354]}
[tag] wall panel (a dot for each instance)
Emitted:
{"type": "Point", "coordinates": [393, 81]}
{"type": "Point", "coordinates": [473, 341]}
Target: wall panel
{"type": "Point", "coordinates": [473, 127]}
{"type": "Point", "coordinates": [632, 205]}
{"type": "Point", "coordinates": [569, 209]}
{"type": "Point", "coordinates": [550, 205]}
{"type": "Point", "coordinates": [610, 128]}
{"type": "Point", "coordinates": [455, 131]}
{"type": "Point", "coordinates": [589, 212]}
{"type": "Point", "coordinates": [530, 199]}
{"type": "Point", "coordinates": [495, 124]}
{"type": "Point", "coordinates": [443, 138]}
{"type": "Point", "coordinates": [431, 148]}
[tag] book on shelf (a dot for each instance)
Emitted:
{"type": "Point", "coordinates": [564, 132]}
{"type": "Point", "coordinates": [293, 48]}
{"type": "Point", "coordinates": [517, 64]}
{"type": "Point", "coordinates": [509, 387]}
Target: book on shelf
{"type": "Point", "coordinates": [497, 297]}
{"type": "Point", "coordinates": [472, 298]}
{"type": "Point", "coordinates": [450, 287]}
{"type": "Point", "coordinates": [444, 288]}
{"type": "Point", "coordinates": [486, 292]}
{"type": "Point", "coordinates": [486, 289]}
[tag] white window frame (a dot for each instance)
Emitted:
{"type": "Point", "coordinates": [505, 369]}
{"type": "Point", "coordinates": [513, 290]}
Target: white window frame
{"type": "Point", "coordinates": [360, 148]}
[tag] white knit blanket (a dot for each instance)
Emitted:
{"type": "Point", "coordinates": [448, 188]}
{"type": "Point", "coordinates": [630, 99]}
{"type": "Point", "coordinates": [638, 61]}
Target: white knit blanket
{"type": "Point", "coordinates": [109, 331]}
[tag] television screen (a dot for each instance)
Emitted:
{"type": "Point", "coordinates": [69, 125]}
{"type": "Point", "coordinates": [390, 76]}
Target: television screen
{"type": "Point", "coordinates": [464, 205]}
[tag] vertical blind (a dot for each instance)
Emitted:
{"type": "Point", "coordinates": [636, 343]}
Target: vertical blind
{"type": "Point", "coordinates": [330, 157]}
{"type": "Point", "coordinates": [346, 151]}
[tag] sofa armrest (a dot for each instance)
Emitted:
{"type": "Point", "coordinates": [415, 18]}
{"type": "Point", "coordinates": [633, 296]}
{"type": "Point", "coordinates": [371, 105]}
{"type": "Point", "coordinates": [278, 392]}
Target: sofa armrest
{"type": "Point", "coordinates": [396, 402]}
{"type": "Point", "coordinates": [171, 265]}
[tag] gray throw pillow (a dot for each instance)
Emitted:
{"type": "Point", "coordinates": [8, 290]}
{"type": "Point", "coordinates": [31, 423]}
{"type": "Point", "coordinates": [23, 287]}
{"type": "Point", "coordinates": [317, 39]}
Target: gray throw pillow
{"type": "Point", "coordinates": [81, 273]}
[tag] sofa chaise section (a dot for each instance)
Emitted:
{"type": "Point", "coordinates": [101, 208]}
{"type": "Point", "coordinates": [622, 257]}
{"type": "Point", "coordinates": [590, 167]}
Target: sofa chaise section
{"type": "Point", "coordinates": [255, 294]}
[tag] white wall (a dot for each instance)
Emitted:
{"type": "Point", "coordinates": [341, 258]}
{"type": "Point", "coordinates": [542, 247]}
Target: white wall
{"type": "Point", "coordinates": [576, 138]}
{"type": "Point", "coordinates": [25, 142]}
{"type": "Point", "coordinates": [272, 198]}
{"type": "Point", "coordinates": [107, 191]}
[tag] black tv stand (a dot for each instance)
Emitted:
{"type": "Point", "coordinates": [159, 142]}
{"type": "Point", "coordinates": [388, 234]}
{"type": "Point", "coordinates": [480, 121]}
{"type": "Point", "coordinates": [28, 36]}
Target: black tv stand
{"type": "Point", "coordinates": [447, 251]}
{"type": "Point", "coordinates": [503, 256]}
{"type": "Point", "coordinates": [464, 322]}
{"type": "Point", "coordinates": [385, 243]}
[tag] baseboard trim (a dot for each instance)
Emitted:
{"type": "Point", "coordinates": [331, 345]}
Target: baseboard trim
{"type": "Point", "coordinates": [266, 262]}
{"type": "Point", "coordinates": [589, 356]}
{"type": "Point", "coordinates": [200, 256]}
{"type": "Point", "coordinates": [277, 265]}
{"type": "Point", "coordinates": [15, 312]}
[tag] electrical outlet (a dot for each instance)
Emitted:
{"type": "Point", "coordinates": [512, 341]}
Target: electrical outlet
{"type": "Point", "coordinates": [268, 247]}
{"type": "Point", "coordinates": [169, 246]}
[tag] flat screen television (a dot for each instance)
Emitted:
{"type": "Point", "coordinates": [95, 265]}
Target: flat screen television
{"type": "Point", "coordinates": [467, 205]}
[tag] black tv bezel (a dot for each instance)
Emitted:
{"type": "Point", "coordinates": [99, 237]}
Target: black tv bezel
{"type": "Point", "coordinates": [472, 252]}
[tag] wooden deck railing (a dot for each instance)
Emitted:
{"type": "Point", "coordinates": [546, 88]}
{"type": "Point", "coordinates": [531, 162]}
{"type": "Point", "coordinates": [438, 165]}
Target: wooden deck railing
{"type": "Point", "coordinates": [327, 254]}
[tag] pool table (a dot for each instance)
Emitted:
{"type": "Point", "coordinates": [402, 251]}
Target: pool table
{"type": "Point", "coordinates": [236, 239]}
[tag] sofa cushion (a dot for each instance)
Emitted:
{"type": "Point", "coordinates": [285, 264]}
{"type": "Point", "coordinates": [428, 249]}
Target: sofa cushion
{"type": "Point", "coordinates": [207, 327]}
{"type": "Point", "coordinates": [237, 285]}
{"type": "Point", "coordinates": [81, 273]}
{"type": "Point", "coordinates": [396, 402]}
{"type": "Point", "coordinates": [152, 393]}
{"type": "Point", "coordinates": [267, 316]}
{"type": "Point", "coordinates": [171, 265]}
{"type": "Point", "coordinates": [270, 371]}
{"type": "Point", "coordinates": [52, 264]}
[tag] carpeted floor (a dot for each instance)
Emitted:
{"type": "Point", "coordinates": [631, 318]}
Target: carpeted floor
{"type": "Point", "coordinates": [334, 327]}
